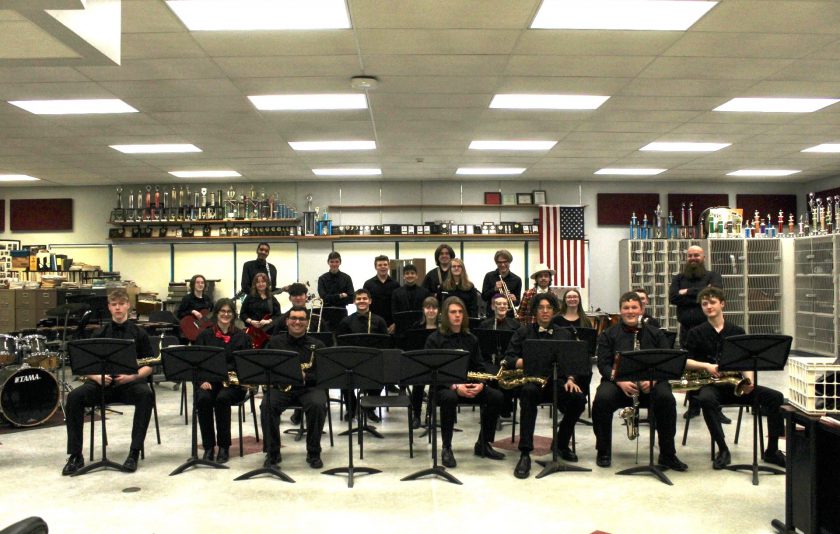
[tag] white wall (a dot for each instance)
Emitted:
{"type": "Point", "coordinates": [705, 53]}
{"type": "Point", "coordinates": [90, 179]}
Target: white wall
{"type": "Point", "coordinates": [151, 264]}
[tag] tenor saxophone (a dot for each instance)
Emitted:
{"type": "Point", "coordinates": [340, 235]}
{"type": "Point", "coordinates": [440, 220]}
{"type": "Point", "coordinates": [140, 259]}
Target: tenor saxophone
{"type": "Point", "coordinates": [508, 379]}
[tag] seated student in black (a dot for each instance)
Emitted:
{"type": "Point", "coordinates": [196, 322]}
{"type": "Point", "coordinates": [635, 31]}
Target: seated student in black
{"type": "Point", "coordinates": [500, 320]}
{"type": "Point", "coordinates": [194, 302]}
{"type": "Point", "coordinates": [129, 389]}
{"type": "Point", "coordinates": [212, 398]}
{"type": "Point", "coordinates": [704, 343]}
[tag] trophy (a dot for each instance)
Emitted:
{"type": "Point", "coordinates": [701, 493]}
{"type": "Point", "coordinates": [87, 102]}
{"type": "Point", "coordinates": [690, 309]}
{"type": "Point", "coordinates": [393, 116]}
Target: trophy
{"type": "Point", "coordinates": [802, 225]}
{"type": "Point", "coordinates": [691, 220]}
{"type": "Point", "coordinates": [836, 213]}
{"type": "Point", "coordinates": [634, 225]}
{"type": "Point", "coordinates": [231, 202]}
{"type": "Point", "coordinates": [829, 217]}
{"type": "Point", "coordinates": [813, 207]}
{"type": "Point", "coordinates": [791, 223]}
{"type": "Point", "coordinates": [131, 199]}
{"type": "Point", "coordinates": [781, 221]}
{"type": "Point", "coordinates": [119, 198]}
{"type": "Point", "coordinates": [820, 217]}
{"type": "Point", "coordinates": [657, 215]}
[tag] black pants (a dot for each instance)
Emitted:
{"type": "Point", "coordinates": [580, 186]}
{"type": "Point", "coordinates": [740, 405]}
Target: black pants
{"type": "Point", "coordinates": [137, 393]}
{"type": "Point", "coordinates": [216, 401]}
{"type": "Point", "coordinates": [314, 403]}
{"type": "Point", "coordinates": [350, 398]}
{"type": "Point", "coordinates": [609, 397]}
{"type": "Point", "coordinates": [531, 395]}
{"type": "Point", "coordinates": [770, 400]}
{"type": "Point", "coordinates": [417, 402]}
{"type": "Point", "coordinates": [491, 401]}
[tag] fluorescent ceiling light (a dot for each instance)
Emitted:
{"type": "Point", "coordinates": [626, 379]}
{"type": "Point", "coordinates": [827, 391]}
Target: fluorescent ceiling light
{"type": "Point", "coordinates": [489, 170]}
{"type": "Point", "coordinates": [347, 172]}
{"type": "Point", "coordinates": [74, 107]}
{"type": "Point", "coordinates": [683, 147]}
{"type": "Point", "coordinates": [777, 105]}
{"type": "Point", "coordinates": [308, 102]}
{"type": "Point", "coordinates": [215, 15]}
{"type": "Point", "coordinates": [332, 145]}
{"type": "Point", "coordinates": [18, 178]}
{"type": "Point", "coordinates": [512, 145]}
{"type": "Point", "coordinates": [825, 147]}
{"type": "Point", "coordinates": [763, 172]}
{"type": "Point", "coordinates": [631, 172]}
{"type": "Point", "coordinates": [536, 101]}
{"type": "Point", "coordinates": [205, 174]}
{"type": "Point", "coordinates": [156, 149]}
{"type": "Point", "coordinates": [619, 14]}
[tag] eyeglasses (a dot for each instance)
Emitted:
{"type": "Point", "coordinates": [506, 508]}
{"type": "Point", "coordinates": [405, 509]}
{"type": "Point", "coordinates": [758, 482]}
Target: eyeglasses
{"type": "Point", "coordinates": [296, 319]}
{"type": "Point", "coordinates": [225, 312]}
{"type": "Point", "coordinates": [545, 308]}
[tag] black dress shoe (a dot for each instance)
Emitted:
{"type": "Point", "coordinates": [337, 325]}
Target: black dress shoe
{"type": "Point", "coordinates": [372, 416]}
{"type": "Point", "coordinates": [568, 455]}
{"type": "Point", "coordinates": [74, 463]}
{"type": "Point", "coordinates": [672, 462]}
{"type": "Point", "coordinates": [776, 457]}
{"type": "Point", "coordinates": [603, 460]}
{"type": "Point", "coordinates": [347, 416]}
{"type": "Point", "coordinates": [130, 463]}
{"type": "Point", "coordinates": [693, 410]}
{"type": "Point", "coordinates": [723, 419]}
{"type": "Point", "coordinates": [314, 461]}
{"type": "Point", "coordinates": [722, 459]}
{"type": "Point", "coordinates": [208, 454]}
{"type": "Point", "coordinates": [296, 416]}
{"type": "Point", "coordinates": [271, 460]}
{"type": "Point", "coordinates": [447, 459]}
{"type": "Point", "coordinates": [416, 422]}
{"type": "Point", "coordinates": [523, 466]}
{"type": "Point", "coordinates": [224, 455]}
{"type": "Point", "coordinates": [489, 452]}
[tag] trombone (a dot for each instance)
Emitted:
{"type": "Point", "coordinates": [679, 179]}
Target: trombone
{"type": "Point", "coordinates": [319, 302]}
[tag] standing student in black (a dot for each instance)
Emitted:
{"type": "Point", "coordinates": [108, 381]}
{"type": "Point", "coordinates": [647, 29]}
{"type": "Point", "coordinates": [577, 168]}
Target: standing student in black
{"type": "Point", "coordinates": [571, 399]}
{"type": "Point", "coordinates": [435, 277]}
{"type": "Point", "coordinates": [334, 286]}
{"type": "Point", "coordinates": [212, 398]}
{"type": "Point", "coordinates": [260, 265]}
{"type": "Point", "coordinates": [454, 333]}
{"type": "Point", "coordinates": [458, 285]}
{"type": "Point", "coordinates": [381, 288]}
{"type": "Point", "coordinates": [129, 389]}
{"type": "Point", "coordinates": [612, 395]}
{"type": "Point", "coordinates": [704, 345]}
{"type": "Point", "coordinates": [492, 284]}
{"type": "Point", "coordinates": [409, 296]}
{"type": "Point", "coordinates": [312, 399]}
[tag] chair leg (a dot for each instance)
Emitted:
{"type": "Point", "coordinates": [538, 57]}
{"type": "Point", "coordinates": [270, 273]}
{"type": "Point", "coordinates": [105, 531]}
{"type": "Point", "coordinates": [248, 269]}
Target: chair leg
{"type": "Point", "coordinates": [685, 431]}
{"type": "Point", "coordinates": [329, 422]}
{"type": "Point", "coordinates": [254, 414]}
{"type": "Point", "coordinates": [154, 411]}
{"type": "Point", "coordinates": [738, 425]}
{"type": "Point", "coordinates": [239, 416]}
{"type": "Point", "coordinates": [92, 418]}
{"type": "Point", "coordinates": [410, 432]}
{"type": "Point", "coordinates": [711, 439]}
{"type": "Point", "coordinates": [513, 422]}
{"type": "Point", "coordinates": [761, 433]}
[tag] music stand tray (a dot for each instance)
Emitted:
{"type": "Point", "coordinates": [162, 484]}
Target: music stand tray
{"type": "Point", "coordinates": [434, 368]}
{"type": "Point", "coordinates": [757, 352]}
{"type": "Point", "coordinates": [195, 364]}
{"type": "Point", "coordinates": [493, 341]}
{"type": "Point", "coordinates": [554, 358]}
{"type": "Point", "coordinates": [102, 356]}
{"type": "Point", "coordinates": [650, 365]}
{"type": "Point", "coordinates": [350, 368]}
{"type": "Point", "coordinates": [268, 367]}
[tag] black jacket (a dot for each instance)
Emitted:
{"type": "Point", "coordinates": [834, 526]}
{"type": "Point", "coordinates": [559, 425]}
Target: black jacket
{"type": "Point", "coordinates": [689, 312]}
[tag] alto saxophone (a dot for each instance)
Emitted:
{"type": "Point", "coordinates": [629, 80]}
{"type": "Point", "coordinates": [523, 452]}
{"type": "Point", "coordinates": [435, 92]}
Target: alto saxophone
{"type": "Point", "coordinates": [630, 414]}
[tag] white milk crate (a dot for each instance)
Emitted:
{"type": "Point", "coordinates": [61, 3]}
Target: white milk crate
{"type": "Point", "coordinates": [814, 384]}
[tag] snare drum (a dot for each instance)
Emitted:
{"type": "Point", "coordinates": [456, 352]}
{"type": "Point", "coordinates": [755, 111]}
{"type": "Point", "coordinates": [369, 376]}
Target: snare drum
{"type": "Point", "coordinates": [28, 397]}
{"type": "Point", "coordinates": [35, 350]}
{"type": "Point", "coordinates": [8, 349]}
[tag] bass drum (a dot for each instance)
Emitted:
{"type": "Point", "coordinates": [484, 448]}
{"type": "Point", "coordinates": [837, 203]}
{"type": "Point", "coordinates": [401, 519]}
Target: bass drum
{"type": "Point", "coordinates": [28, 396]}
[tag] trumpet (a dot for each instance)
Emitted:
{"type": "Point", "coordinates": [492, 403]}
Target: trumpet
{"type": "Point", "coordinates": [507, 294]}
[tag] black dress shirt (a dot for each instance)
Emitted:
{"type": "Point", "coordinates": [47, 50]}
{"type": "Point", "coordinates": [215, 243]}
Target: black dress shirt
{"type": "Point", "coordinates": [488, 288]}
{"type": "Point", "coordinates": [506, 324]}
{"type": "Point", "coordinates": [704, 343]}
{"type": "Point", "coordinates": [434, 279]}
{"type": "Point", "coordinates": [190, 302]}
{"type": "Point", "coordinates": [251, 268]}
{"type": "Point", "coordinates": [689, 312]}
{"type": "Point", "coordinates": [618, 339]}
{"type": "Point", "coordinates": [304, 346]}
{"type": "Point", "coordinates": [236, 340]}
{"type": "Point", "coordinates": [460, 341]}
{"type": "Point", "coordinates": [330, 286]}
{"type": "Point", "coordinates": [127, 330]}
{"type": "Point", "coordinates": [516, 347]}
{"type": "Point", "coordinates": [256, 308]}
{"type": "Point", "coordinates": [380, 294]}
{"type": "Point", "coordinates": [408, 298]}
{"type": "Point", "coordinates": [356, 323]}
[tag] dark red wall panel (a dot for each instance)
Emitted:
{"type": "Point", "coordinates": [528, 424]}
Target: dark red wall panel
{"type": "Point", "coordinates": [827, 192]}
{"type": "Point", "coordinates": [615, 209]}
{"type": "Point", "coordinates": [42, 214]}
{"type": "Point", "coordinates": [766, 204]}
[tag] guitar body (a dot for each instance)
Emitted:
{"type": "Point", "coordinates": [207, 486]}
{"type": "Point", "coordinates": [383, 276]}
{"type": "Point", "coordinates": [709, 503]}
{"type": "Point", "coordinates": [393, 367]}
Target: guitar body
{"type": "Point", "coordinates": [259, 337]}
{"type": "Point", "coordinates": [191, 327]}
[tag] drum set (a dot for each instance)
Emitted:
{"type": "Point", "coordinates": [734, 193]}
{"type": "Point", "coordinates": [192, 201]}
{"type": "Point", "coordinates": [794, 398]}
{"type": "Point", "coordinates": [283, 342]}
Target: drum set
{"type": "Point", "coordinates": [29, 390]}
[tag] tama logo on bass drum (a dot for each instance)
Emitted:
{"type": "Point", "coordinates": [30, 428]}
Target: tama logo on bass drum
{"type": "Point", "coordinates": [27, 378]}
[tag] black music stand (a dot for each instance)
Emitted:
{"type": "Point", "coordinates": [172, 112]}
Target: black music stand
{"type": "Point", "coordinates": [650, 365]}
{"type": "Point", "coordinates": [404, 320]}
{"type": "Point", "coordinates": [415, 339]}
{"type": "Point", "coordinates": [493, 342]}
{"type": "Point", "coordinates": [435, 368]}
{"type": "Point", "coordinates": [590, 337]}
{"type": "Point", "coordinates": [195, 364]}
{"type": "Point", "coordinates": [67, 310]}
{"type": "Point", "coordinates": [758, 352]}
{"type": "Point", "coordinates": [102, 356]}
{"type": "Point", "coordinates": [372, 341]}
{"type": "Point", "coordinates": [350, 368]}
{"type": "Point", "coordinates": [548, 357]}
{"type": "Point", "coordinates": [268, 367]}
{"type": "Point", "coordinates": [331, 316]}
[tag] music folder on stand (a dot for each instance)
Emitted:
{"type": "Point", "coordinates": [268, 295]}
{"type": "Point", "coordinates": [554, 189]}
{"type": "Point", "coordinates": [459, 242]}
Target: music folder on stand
{"type": "Point", "coordinates": [434, 368]}
{"type": "Point", "coordinates": [651, 365]}
{"type": "Point", "coordinates": [268, 367]}
{"type": "Point", "coordinates": [196, 364]}
{"type": "Point", "coordinates": [102, 356]}
{"type": "Point", "coordinates": [757, 352]}
{"type": "Point", "coordinates": [493, 342]}
{"type": "Point", "coordinates": [556, 358]}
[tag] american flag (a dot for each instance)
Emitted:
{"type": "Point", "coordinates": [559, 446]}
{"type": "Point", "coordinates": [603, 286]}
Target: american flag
{"type": "Point", "coordinates": [563, 243]}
